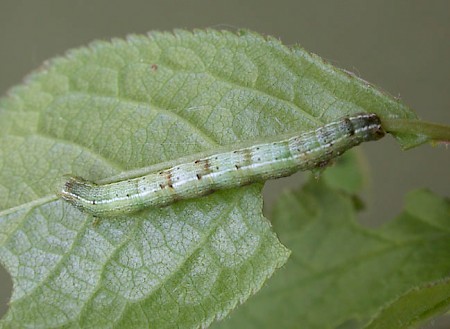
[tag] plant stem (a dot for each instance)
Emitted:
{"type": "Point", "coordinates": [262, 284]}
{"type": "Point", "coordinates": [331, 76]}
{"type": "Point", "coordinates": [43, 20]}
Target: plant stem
{"type": "Point", "coordinates": [435, 132]}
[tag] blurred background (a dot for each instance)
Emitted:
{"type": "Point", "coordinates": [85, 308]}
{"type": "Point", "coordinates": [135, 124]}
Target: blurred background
{"type": "Point", "coordinates": [401, 46]}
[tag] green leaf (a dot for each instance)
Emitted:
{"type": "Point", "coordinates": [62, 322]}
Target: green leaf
{"type": "Point", "coordinates": [414, 307]}
{"type": "Point", "coordinates": [114, 107]}
{"type": "Point", "coordinates": [340, 274]}
{"type": "Point", "coordinates": [350, 174]}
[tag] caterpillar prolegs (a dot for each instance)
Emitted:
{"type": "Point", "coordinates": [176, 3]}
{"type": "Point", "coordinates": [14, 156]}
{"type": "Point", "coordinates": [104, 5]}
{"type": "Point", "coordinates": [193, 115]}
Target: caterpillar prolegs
{"type": "Point", "coordinates": [259, 162]}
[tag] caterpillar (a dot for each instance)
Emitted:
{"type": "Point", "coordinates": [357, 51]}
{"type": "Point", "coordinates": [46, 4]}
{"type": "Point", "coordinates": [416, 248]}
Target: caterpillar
{"type": "Point", "coordinates": [225, 170]}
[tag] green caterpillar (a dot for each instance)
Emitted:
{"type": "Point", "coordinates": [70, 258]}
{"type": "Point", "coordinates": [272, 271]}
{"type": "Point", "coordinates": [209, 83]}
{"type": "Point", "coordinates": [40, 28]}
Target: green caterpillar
{"type": "Point", "coordinates": [260, 162]}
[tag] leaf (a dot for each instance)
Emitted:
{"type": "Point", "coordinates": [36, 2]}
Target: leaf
{"type": "Point", "coordinates": [415, 306]}
{"type": "Point", "coordinates": [350, 174]}
{"type": "Point", "coordinates": [340, 273]}
{"type": "Point", "coordinates": [115, 107]}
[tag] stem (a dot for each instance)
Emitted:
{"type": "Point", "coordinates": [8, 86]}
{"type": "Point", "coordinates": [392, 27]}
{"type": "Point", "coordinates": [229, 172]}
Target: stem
{"type": "Point", "coordinates": [435, 132]}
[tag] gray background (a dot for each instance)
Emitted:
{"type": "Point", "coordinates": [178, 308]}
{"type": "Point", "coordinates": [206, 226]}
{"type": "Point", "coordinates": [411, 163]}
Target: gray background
{"type": "Point", "coordinates": [402, 46]}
